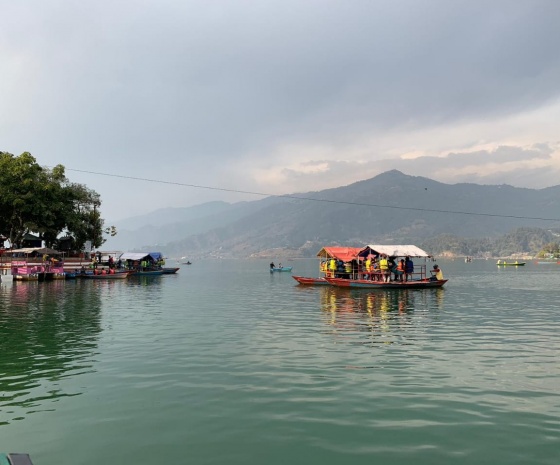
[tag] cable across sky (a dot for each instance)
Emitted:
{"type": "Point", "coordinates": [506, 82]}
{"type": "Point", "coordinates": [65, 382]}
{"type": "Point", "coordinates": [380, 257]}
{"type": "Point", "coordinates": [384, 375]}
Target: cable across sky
{"type": "Point", "coordinates": [311, 199]}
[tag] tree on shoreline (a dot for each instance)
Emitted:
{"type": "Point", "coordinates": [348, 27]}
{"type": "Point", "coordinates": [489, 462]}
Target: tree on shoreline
{"type": "Point", "coordinates": [35, 199]}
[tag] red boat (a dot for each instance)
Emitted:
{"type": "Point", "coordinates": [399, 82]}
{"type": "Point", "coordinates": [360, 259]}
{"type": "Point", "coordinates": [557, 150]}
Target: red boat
{"type": "Point", "coordinates": [367, 284]}
{"type": "Point", "coordinates": [325, 254]}
{"type": "Point", "coordinates": [311, 281]}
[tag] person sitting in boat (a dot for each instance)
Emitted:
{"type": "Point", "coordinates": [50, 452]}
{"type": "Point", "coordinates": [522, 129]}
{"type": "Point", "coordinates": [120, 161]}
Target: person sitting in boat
{"type": "Point", "coordinates": [437, 274]}
{"type": "Point", "coordinates": [280, 266]}
{"type": "Point", "coordinates": [399, 271]}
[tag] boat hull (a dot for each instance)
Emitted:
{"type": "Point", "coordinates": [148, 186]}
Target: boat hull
{"type": "Point", "coordinates": [106, 276]}
{"type": "Point", "coordinates": [510, 264]}
{"type": "Point", "coordinates": [365, 284]}
{"type": "Point", "coordinates": [170, 270]}
{"type": "Point", "coordinates": [146, 273]}
{"type": "Point", "coordinates": [311, 281]}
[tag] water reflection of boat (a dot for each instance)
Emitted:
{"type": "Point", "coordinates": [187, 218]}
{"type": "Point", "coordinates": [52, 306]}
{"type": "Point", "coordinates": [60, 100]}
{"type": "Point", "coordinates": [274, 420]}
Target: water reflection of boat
{"type": "Point", "coordinates": [349, 309]}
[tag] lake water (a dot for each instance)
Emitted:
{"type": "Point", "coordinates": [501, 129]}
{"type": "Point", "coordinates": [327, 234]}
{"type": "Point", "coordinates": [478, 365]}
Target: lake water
{"type": "Point", "coordinates": [225, 363]}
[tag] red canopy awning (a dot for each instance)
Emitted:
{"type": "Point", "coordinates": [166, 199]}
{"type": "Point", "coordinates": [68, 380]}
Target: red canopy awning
{"type": "Point", "coordinates": [340, 253]}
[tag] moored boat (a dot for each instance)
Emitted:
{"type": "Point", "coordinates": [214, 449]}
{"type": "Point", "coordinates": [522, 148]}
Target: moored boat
{"type": "Point", "coordinates": [170, 270]}
{"type": "Point", "coordinates": [118, 275]}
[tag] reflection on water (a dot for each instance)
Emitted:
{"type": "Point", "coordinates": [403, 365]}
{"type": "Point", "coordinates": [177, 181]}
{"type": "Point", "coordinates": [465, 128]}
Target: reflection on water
{"type": "Point", "coordinates": [382, 313]}
{"type": "Point", "coordinates": [48, 332]}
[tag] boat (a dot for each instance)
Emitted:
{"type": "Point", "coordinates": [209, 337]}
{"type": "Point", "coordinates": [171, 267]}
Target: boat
{"type": "Point", "coordinates": [143, 263]}
{"type": "Point", "coordinates": [311, 281]}
{"type": "Point", "coordinates": [170, 270]}
{"type": "Point", "coordinates": [282, 268]}
{"type": "Point", "coordinates": [344, 254]}
{"type": "Point", "coordinates": [145, 272]}
{"type": "Point", "coordinates": [118, 275]}
{"type": "Point", "coordinates": [504, 263]}
{"type": "Point", "coordinates": [186, 263]}
{"type": "Point", "coordinates": [358, 276]}
{"type": "Point", "coordinates": [368, 284]}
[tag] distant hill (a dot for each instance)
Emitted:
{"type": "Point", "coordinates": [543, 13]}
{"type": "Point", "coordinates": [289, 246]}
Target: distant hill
{"type": "Point", "coordinates": [389, 208]}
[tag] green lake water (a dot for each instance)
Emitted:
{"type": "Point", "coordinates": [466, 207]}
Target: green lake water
{"type": "Point", "coordinates": [225, 363]}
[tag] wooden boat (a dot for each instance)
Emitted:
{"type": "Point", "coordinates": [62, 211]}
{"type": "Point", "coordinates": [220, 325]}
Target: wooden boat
{"type": "Point", "coordinates": [367, 284]}
{"type": "Point", "coordinates": [120, 275]}
{"type": "Point", "coordinates": [284, 268]}
{"type": "Point", "coordinates": [311, 281]}
{"type": "Point", "coordinates": [325, 254]}
{"type": "Point", "coordinates": [146, 273]}
{"type": "Point", "coordinates": [186, 263]}
{"type": "Point", "coordinates": [170, 270]}
{"type": "Point", "coordinates": [504, 263]}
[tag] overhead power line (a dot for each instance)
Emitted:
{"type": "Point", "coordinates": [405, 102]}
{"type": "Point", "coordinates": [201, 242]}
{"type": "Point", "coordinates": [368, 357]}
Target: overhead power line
{"type": "Point", "coordinates": [296, 197]}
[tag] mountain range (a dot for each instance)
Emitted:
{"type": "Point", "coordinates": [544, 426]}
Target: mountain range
{"type": "Point", "coordinates": [391, 208]}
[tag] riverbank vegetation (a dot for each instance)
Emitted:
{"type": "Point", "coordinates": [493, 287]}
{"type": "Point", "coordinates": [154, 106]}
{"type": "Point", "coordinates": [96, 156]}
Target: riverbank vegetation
{"type": "Point", "coordinates": [35, 199]}
{"type": "Point", "coordinates": [520, 242]}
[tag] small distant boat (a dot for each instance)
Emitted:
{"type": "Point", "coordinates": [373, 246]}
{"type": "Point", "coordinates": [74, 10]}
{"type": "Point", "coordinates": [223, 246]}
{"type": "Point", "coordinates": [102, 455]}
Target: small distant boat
{"type": "Point", "coordinates": [282, 268]}
{"type": "Point", "coordinates": [186, 263]}
{"type": "Point", "coordinates": [504, 263]}
{"type": "Point", "coordinates": [170, 270]}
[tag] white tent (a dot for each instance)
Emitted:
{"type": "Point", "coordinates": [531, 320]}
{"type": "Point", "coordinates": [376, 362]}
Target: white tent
{"type": "Point", "coordinates": [395, 250]}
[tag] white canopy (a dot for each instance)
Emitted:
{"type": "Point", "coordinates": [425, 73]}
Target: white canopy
{"type": "Point", "coordinates": [134, 255]}
{"type": "Point", "coordinates": [396, 250]}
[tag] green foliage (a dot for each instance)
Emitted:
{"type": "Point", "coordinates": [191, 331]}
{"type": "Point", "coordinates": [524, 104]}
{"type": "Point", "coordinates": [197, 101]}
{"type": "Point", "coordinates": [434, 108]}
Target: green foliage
{"type": "Point", "coordinates": [43, 201]}
{"type": "Point", "coordinates": [526, 241]}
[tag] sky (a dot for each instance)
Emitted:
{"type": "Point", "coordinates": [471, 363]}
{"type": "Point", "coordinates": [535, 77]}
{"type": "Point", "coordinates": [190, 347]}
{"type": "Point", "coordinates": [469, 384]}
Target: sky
{"type": "Point", "coordinates": [278, 97]}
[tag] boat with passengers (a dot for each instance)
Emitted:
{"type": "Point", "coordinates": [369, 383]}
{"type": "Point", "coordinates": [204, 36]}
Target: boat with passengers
{"type": "Point", "coordinates": [327, 268]}
{"type": "Point", "coordinates": [368, 267]}
{"type": "Point", "coordinates": [415, 276]}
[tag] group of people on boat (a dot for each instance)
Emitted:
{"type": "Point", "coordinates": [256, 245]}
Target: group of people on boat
{"type": "Point", "coordinates": [382, 268]}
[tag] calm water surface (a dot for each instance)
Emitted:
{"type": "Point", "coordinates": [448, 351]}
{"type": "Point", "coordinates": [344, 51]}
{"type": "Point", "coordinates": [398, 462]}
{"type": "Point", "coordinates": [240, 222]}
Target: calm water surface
{"type": "Point", "coordinates": [226, 363]}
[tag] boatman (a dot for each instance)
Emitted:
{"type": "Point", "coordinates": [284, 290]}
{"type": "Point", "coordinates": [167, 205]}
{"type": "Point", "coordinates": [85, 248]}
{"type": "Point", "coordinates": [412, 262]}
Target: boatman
{"type": "Point", "coordinates": [271, 265]}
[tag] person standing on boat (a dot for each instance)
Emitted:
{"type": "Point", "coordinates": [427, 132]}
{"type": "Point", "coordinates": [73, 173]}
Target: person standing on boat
{"type": "Point", "coordinates": [408, 268]}
{"type": "Point", "coordinates": [332, 267]}
{"type": "Point", "coordinates": [272, 265]}
{"type": "Point", "coordinates": [384, 268]}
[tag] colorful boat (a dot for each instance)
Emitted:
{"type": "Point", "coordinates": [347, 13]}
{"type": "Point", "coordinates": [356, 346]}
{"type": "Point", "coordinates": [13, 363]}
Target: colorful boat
{"type": "Point", "coordinates": [504, 263]}
{"type": "Point", "coordinates": [416, 277]}
{"type": "Point", "coordinates": [280, 269]}
{"type": "Point", "coordinates": [344, 254]}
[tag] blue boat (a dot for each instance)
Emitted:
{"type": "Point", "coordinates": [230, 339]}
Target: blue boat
{"type": "Point", "coordinates": [283, 268]}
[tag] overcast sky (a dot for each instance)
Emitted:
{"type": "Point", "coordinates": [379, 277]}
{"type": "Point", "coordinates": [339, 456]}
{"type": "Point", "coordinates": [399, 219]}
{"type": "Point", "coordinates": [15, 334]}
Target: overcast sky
{"type": "Point", "coordinates": [280, 96]}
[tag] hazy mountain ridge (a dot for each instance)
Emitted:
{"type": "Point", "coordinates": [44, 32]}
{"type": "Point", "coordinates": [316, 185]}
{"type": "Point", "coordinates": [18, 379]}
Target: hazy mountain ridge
{"type": "Point", "coordinates": [390, 208]}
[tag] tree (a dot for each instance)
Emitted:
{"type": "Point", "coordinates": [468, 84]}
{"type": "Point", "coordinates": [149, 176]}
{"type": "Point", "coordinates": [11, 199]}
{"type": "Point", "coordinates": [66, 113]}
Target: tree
{"type": "Point", "coordinates": [40, 200]}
